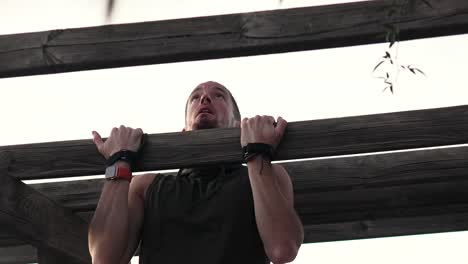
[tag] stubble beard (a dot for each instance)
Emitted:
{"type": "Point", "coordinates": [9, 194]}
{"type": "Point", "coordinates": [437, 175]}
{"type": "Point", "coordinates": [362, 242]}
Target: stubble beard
{"type": "Point", "coordinates": [205, 124]}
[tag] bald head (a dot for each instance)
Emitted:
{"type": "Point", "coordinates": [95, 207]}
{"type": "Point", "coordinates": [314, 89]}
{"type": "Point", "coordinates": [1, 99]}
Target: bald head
{"type": "Point", "coordinates": [211, 105]}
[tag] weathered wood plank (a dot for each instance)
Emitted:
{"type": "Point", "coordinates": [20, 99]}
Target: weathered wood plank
{"type": "Point", "coordinates": [49, 256]}
{"type": "Point", "coordinates": [305, 139]}
{"type": "Point", "coordinates": [226, 36]}
{"type": "Point", "coordinates": [40, 221]}
{"type": "Point", "coordinates": [343, 190]}
{"type": "Point", "coordinates": [350, 184]}
{"type": "Point", "coordinates": [18, 254]}
{"type": "Point", "coordinates": [386, 227]}
{"type": "Point", "coordinates": [371, 228]}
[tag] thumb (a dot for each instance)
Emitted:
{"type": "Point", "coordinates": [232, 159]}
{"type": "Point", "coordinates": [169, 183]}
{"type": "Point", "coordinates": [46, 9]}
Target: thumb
{"type": "Point", "coordinates": [97, 140]}
{"type": "Point", "coordinates": [281, 126]}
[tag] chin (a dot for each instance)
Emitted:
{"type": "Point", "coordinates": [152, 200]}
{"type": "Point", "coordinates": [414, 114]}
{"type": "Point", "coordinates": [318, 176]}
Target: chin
{"type": "Point", "coordinates": [204, 125]}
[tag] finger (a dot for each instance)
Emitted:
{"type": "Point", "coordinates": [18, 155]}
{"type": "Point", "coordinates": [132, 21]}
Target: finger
{"type": "Point", "coordinates": [281, 126]}
{"type": "Point", "coordinates": [139, 131]}
{"type": "Point", "coordinates": [271, 120]}
{"type": "Point", "coordinates": [97, 139]}
{"type": "Point", "coordinates": [244, 122]}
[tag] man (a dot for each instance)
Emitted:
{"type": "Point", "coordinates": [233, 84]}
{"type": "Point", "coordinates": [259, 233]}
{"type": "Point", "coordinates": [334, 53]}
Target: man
{"type": "Point", "coordinates": [216, 214]}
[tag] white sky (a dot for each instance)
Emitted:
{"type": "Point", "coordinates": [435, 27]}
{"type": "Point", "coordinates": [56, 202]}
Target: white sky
{"type": "Point", "coordinates": [298, 86]}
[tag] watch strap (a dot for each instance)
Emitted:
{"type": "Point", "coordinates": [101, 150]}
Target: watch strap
{"type": "Point", "coordinates": [115, 172]}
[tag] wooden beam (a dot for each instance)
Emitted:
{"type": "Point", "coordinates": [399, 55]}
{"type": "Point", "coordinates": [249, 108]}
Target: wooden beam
{"type": "Point", "coordinates": [49, 256]}
{"type": "Point", "coordinates": [40, 221]}
{"type": "Point", "coordinates": [321, 233]}
{"type": "Point", "coordinates": [386, 227]}
{"type": "Point", "coordinates": [18, 254]}
{"type": "Point", "coordinates": [306, 139]}
{"type": "Point", "coordinates": [329, 193]}
{"type": "Point", "coordinates": [348, 185]}
{"type": "Point", "coordinates": [225, 36]}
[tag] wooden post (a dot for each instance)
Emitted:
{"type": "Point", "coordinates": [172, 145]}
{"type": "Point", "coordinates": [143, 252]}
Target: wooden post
{"type": "Point", "coordinates": [40, 221]}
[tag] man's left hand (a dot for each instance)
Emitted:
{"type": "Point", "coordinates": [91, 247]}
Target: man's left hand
{"type": "Point", "coordinates": [262, 129]}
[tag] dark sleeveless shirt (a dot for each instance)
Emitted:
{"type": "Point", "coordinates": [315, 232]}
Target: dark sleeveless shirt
{"type": "Point", "coordinates": [201, 216]}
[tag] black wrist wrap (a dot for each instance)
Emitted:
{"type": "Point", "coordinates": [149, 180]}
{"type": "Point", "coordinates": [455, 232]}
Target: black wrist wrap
{"type": "Point", "coordinates": [253, 149]}
{"type": "Point", "coordinates": [124, 155]}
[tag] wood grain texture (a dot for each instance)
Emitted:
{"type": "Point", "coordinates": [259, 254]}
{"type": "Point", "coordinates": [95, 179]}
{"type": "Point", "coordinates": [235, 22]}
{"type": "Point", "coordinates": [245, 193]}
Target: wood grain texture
{"type": "Point", "coordinates": [49, 256]}
{"type": "Point", "coordinates": [305, 139]}
{"type": "Point", "coordinates": [375, 190]}
{"type": "Point", "coordinates": [225, 36]}
{"type": "Point", "coordinates": [18, 254]}
{"type": "Point", "coordinates": [40, 221]}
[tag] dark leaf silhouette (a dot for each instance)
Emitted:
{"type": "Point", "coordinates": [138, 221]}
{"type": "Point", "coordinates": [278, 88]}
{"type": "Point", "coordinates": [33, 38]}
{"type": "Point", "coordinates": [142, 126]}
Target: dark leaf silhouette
{"type": "Point", "coordinates": [380, 63]}
{"type": "Point", "coordinates": [110, 8]}
{"type": "Point", "coordinates": [420, 71]}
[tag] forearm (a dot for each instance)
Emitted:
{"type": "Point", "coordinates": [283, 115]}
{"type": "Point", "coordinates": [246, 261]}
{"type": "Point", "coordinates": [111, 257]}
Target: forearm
{"type": "Point", "coordinates": [278, 224]}
{"type": "Point", "coordinates": [108, 230]}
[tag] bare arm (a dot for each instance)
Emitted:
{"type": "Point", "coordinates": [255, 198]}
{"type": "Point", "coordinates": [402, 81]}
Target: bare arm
{"type": "Point", "coordinates": [114, 231]}
{"type": "Point", "coordinates": [278, 223]}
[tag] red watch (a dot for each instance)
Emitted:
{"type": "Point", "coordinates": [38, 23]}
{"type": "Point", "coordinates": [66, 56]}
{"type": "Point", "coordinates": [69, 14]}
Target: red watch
{"type": "Point", "coordinates": [115, 172]}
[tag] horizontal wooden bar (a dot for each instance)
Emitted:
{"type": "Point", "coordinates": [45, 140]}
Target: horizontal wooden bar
{"type": "Point", "coordinates": [41, 222]}
{"type": "Point", "coordinates": [305, 139]}
{"type": "Point", "coordinates": [224, 36]}
{"type": "Point", "coordinates": [348, 185]}
{"type": "Point", "coordinates": [360, 189]}
{"type": "Point", "coordinates": [321, 233]}
{"type": "Point", "coordinates": [18, 254]}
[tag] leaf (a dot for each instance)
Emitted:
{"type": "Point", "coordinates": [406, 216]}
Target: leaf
{"type": "Point", "coordinates": [420, 71]}
{"type": "Point", "coordinates": [412, 70]}
{"type": "Point", "coordinates": [392, 40]}
{"type": "Point", "coordinates": [109, 8]}
{"type": "Point", "coordinates": [391, 88]}
{"type": "Point", "coordinates": [403, 67]}
{"type": "Point", "coordinates": [387, 55]}
{"type": "Point", "coordinates": [388, 75]}
{"type": "Point", "coordinates": [380, 63]}
{"type": "Point", "coordinates": [391, 62]}
{"type": "Point", "coordinates": [387, 36]}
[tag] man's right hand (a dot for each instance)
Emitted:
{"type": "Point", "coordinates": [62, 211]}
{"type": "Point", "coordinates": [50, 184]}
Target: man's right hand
{"type": "Point", "coordinates": [120, 138]}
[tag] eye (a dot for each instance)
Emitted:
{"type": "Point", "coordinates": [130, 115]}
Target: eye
{"type": "Point", "coordinates": [219, 96]}
{"type": "Point", "coordinates": [195, 97]}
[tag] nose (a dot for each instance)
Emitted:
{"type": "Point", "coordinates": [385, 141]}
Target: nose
{"type": "Point", "coordinates": [205, 98]}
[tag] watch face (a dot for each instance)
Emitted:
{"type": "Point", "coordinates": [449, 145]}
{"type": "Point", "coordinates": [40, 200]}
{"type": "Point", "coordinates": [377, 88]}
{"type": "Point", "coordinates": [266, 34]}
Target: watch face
{"type": "Point", "coordinates": [111, 172]}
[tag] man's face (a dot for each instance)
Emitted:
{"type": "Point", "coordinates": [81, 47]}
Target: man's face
{"type": "Point", "coordinates": [209, 106]}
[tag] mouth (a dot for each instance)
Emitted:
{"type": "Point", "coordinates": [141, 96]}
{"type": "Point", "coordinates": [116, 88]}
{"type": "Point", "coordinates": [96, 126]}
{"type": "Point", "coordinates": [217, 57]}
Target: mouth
{"type": "Point", "coordinates": [205, 111]}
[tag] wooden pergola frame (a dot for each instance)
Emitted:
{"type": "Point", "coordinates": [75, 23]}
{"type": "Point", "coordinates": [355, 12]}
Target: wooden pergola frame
{"type": "Point", "coordinates": [338, 198]}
